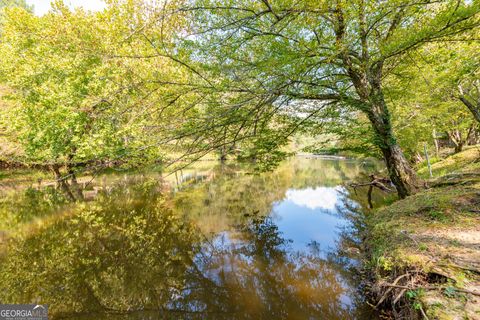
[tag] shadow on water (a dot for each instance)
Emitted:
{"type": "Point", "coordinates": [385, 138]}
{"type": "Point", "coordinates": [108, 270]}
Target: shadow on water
{"type": "Point", "coordinates": [229, 246]}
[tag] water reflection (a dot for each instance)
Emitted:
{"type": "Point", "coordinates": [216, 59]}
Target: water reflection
{"type": "Point", "coordinates": [125, 252]}
{"type": "Point", "coordinates": [314, 198]}
{"type": "Point", "coordinates": [233, 246]}
{"type": "Point", "coordinates": [258, 276]}
{"type": "Point", "coordinates": [311, 215]}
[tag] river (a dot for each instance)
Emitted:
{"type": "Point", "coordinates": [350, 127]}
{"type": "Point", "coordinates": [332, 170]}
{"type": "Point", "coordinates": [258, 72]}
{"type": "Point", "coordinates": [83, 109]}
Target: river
{"type": "Point", "coordinates": [209, 242]}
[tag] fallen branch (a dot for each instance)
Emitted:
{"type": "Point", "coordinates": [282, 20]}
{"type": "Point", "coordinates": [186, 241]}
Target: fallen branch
{"type": "Point", "coordinates": [378, 182]}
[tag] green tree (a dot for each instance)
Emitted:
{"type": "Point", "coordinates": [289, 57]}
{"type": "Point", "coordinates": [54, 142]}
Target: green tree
{"type": "Point", "coordinates": [59, 116]}
{"type": "Point", "coordinates": [425, 95]}
{"type": "Point", "coordinates": [78, 95]}
{"type": "Point", "coordinates": [253, 54]}
{"type": "Point", "coordinates": [457, 74]}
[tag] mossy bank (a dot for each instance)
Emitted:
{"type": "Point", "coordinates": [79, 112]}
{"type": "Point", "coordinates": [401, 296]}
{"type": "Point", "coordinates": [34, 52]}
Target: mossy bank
{"type": "Point", "coordinates": [424, 251]}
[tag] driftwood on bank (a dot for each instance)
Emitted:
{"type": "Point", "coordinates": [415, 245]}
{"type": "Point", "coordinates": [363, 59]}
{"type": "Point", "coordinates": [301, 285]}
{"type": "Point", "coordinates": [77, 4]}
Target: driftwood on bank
{"type": "Point", "coordinates": [381, 183]}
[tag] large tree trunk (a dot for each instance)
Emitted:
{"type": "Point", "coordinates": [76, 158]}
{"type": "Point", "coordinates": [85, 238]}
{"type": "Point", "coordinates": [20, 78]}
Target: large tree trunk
{"type": "Point", "coordinates": [368, 85]}
{"type": "Point", "coordinates": [401, 173]}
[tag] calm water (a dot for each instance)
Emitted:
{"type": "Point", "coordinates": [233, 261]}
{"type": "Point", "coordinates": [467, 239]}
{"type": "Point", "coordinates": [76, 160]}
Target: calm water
{"type": "Point", "coordinates": [212, 242]}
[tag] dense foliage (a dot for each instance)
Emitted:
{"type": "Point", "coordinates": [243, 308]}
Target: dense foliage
{"type": "Point", "coordinates": [142, 81]}
{"type": "Point", "coordinates": [78, 95]}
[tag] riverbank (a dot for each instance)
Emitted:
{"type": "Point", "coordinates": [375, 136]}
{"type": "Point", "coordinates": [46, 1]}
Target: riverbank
{"type": "Point", "coordinates": [424, 251]}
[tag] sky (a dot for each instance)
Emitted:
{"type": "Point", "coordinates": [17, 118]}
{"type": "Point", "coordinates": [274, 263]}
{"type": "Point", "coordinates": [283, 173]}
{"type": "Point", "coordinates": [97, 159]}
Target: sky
{"type": "Point", "coordinates": [42, 6]}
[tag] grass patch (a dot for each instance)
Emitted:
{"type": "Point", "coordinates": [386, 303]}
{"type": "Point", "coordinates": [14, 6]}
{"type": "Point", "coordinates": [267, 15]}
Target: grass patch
{"type": "Point", "coordinates": [434, 233]}
{"type": "Point", "coordinates": [466, 161]}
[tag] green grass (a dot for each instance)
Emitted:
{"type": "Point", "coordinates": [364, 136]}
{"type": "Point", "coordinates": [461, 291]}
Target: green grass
{"type": "Point", "coordinates": [422, 233]}
{"type": "Point", "coordinates": [466, 161]}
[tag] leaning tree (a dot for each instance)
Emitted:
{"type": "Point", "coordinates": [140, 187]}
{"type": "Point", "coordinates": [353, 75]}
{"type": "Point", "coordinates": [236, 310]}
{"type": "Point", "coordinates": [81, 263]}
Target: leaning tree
{"type": "Point", "coordinates": [256, 58]}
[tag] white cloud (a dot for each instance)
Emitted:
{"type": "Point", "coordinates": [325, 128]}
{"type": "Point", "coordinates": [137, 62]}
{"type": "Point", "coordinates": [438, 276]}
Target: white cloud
{"type": "Point", "coordinates": [320, 197]}
{"type": "Point", "coordinates": [42, 6]}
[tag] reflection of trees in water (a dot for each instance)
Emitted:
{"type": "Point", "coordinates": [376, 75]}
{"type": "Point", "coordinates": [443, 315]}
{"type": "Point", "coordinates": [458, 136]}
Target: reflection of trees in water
{"type": "Point", "coordinates": [231, 198]}
{"type": "Point", "coordinates": [227, 193]}
{"type": "Point", "coordinates": [129, 251]}
{"type": "Point", "coordinates": [233, 194]}
{"type": "Point", "coordinates": [17, 208]}
{"type": "Point", "coordinates": [327, 172]}
{"type": "Point", "coordinates": [20, 207]}
{"type": "Point", "coordinates": [132, 250]}
{"type": "Point", "coordinates": [354, 207]}
{"type": "Point", "coordinates": [257, 277]}
{"type": "Point", "coordinates": [125, 252]}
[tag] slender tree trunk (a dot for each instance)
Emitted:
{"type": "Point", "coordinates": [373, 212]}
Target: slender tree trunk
{"type": "Point", "coordinates": [472, 137]}
{"type": "Point", "coordinates": [471, 131]}
{"type": "Point", "coordinates": [435, 141]}
{"type": "Point", "coordinates": [369, 197]}
{"type": "Point", "coordinates": [75, 185]}
{"type": "Point", "coordinates": [475, 110]}
{"type": "Point", "coordinates": [401, 173]}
